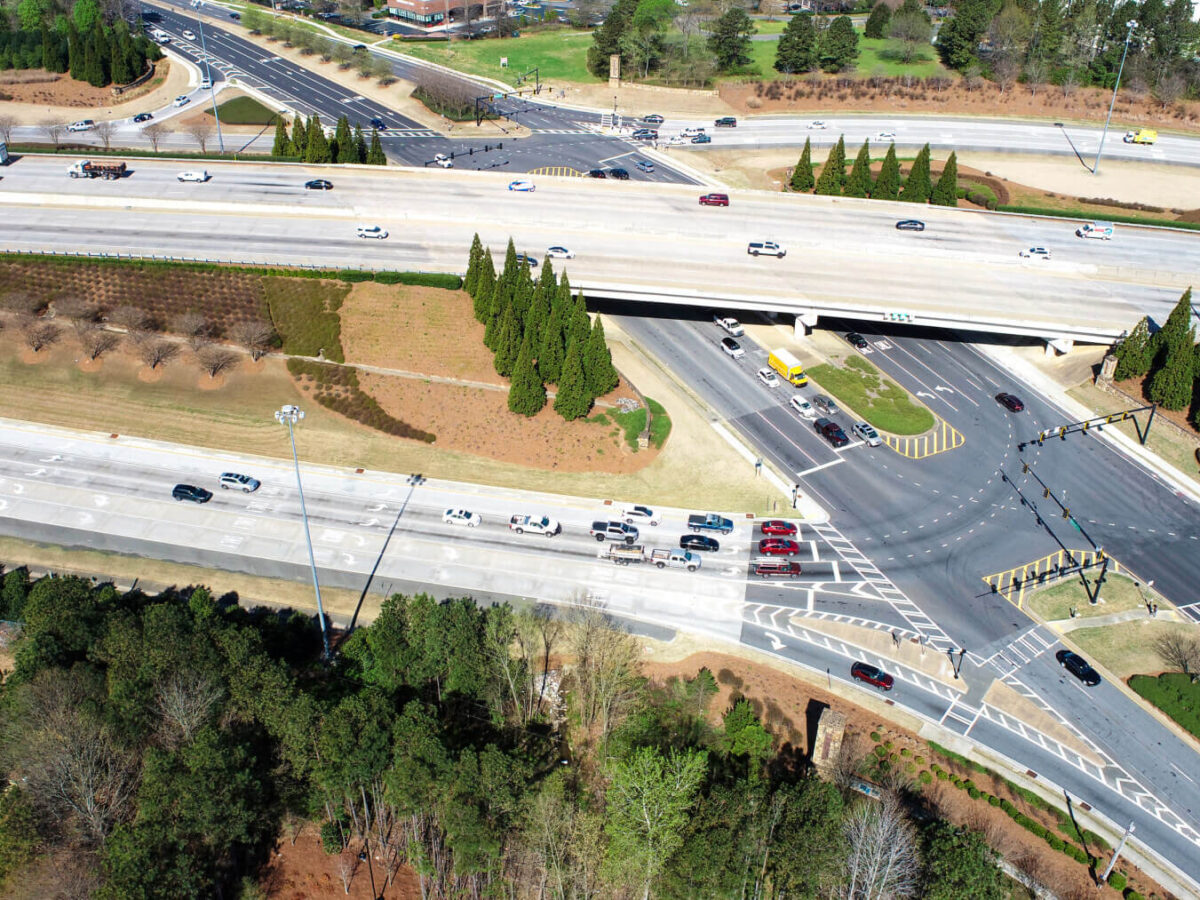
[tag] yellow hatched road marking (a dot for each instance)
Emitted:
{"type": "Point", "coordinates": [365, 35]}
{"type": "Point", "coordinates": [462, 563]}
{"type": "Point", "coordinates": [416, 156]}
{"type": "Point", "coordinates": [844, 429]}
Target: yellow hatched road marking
{"type": "Point", "coordinates": [560, 171]}
{"type": "Point", "coordinates": [1011, 583]}
{"type": "Point", "coordinates": [943, 438]}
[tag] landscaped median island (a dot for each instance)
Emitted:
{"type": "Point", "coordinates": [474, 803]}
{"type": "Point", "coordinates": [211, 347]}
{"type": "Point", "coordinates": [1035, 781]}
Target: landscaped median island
{"type": "Point", "coordinates": [859, 387]}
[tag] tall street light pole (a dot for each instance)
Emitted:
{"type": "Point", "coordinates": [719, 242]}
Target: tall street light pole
{"type": "Point", "coordinates": [1129, 34]}
{"type": "Point", "coordinates": [212, 88]}
{"type": "Point", "coordinates": [289, 416]}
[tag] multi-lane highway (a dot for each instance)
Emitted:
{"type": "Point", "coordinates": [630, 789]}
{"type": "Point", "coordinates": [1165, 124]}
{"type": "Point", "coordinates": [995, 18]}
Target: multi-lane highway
{"type": "Point", "coordinates": [844, 257]}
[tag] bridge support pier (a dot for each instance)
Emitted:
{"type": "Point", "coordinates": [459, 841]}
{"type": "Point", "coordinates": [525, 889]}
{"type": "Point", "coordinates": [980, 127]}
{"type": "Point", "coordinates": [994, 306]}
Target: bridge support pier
{"type": "Point", "coordinates": [1059, 346]}
{"type": "Point", "coordinates": [806, 321]}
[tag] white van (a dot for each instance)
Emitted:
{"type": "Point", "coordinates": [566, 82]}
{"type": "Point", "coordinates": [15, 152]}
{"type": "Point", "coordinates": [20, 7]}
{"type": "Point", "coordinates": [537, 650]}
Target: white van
{"type": "Point", "coordinates": [1102, 231]}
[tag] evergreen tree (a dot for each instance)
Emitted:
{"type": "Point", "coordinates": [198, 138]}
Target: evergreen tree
{"type": "Point", "coordinates": [318, 145]}
{"type": "Point", "coordinates": [342, 150]}
{"type": "Point", "coordinates": [1048, 38]}
{"type": "Point", "coordinates": [1171, 386]}
{"type": "Point", "coordinates": [579, 326]}
{"type": "Point", "coordinates": [834, 173]}
{"type": "Point", "coordinates": [1134, 355]}
{"type": "Point", "coordinates": [118, 54]}
{"type": "Point", "coordinates": [283, 143]}
{"type": "Point", "coordinates": [917, 186]}
{"type": "Point", "coordinates": [75, 53]}
{"type": "Point", "coordinates": [360, 144]}
{"type": "Point", "coordinates": [508, 343]}
{"type": "Point", "coordinates": [946, 192]}
{"type": "Point", "coordinates": [539, 310]}
{"type": "Point", "coordinates": [527, 393]}
{"type": "Point", "coordinates": [606, 40]}
{"type": "Point", "coordinates": [802, 176]}
{"type": "Point", "coordinates": [485, 287]}
{"type": "Point", "coordinates": [958, 38]}
{"type": "Point", "coordinates": [859, 182]}
{"type": "Point", "coordinates": [878, 22]}
{"type": "Point", "coordinates": [839, 45]}
{"type": "Point", "coordinates": [572, 399]}
{"type": "Point", "coordinates": [522, 297]}
{"type": "Point", "coordinates": [551, 352]}
{"type": "Point", "coordinates": [598, 368]}
{"type": "Point", "coordinates": [887, 187]}
{"type": "Point", "coordinates": [299, 138]}
{"type": "Point", "coordinates": [474, 260]}
{"type": "Point", "coordinates": [729, 39]}
{"type": "Point", "coordinates": [376, 156]}
{"type": "Point", "coordinates": [797, 49]}
{"type": "Point", "coordinates": [1176, 331]}
{"type": "Point", "coordinates": [493, 320]}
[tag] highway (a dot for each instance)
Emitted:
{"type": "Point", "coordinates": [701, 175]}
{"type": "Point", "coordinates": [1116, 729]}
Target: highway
{"type": "Point", "coordinates": [963, 271]}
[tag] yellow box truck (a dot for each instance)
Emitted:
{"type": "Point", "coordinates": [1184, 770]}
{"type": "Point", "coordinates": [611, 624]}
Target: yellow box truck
{"type": "Point", "coordinates": [783, 362]}
{"type": "Point", "coordinates": [1141, 136]}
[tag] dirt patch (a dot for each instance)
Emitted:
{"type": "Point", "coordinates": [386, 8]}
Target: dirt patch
{"type": "Point", "coordinates": [61, 99]}
{"type": "Point", "coordinates": [302, 870]}
{"type": "Point", "coordinates": [847, 95]}
{"type": "Point", "coordinates": [1135, 389]}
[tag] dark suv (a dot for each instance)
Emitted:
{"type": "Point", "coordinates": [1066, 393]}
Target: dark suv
{"type": "Point", "coordinates": [832, 432]}
{"type": "Point", "coordinates": [1078, 666]}
{"type": "Point", "coordinates": [619, 174]}
{"type": "Point", "coordinates": [726, 122]}
{"type": "Point", "coordinates": [191, 492]}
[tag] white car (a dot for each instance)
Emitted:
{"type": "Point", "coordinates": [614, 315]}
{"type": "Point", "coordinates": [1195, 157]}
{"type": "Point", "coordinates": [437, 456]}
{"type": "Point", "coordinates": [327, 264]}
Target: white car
{"type": "Point", "coordinates": [868, 434]}
{"type": "Point", "coordinates": [444, 161]}
{"type": "Point", "coordinates": [691, 132]}
{"type": "Point", "coordinates": [560, 253]}
{"type": "Point", "coordinates": [522, 184]}
{"type": "Point", "coordinates": [181, 100]}
{"type": "Point", "coordinates": [371, 231]}
{"type": "Point", "coordinates": [817, 126]}
{"type": "Point", "coordinates": [206, 84]}
{"type": "Point", "coordinates": [802, 407]}
{"type": "Point", "coordinates": [732, 348]}
{"type": "Point", "coordinates": [188, 34]}
{"type": "Point", "coordinates": [639, 515]}
{"type": "Point", "coordinates": [768, 377]}
{"type": "Point", "coordinates": [886, 136]}
{"type": "Point", "coordinates": [82, 125]}
{"type": "Point", "coordinates": [1036, 253]}
{"type": "Point", "coordinates": [461, 517]}
{"type": "Point", "coordinates": [197, 175]}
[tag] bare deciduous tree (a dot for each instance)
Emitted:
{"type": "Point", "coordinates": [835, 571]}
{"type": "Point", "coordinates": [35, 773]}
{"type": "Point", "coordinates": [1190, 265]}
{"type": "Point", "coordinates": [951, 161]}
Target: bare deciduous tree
{"type": "Point", "coordinates": [135, 320]}
{"type": "Point", "coordinates": [105, 131]}
{"type": "Point", "coordinates": [185, 702]}
{"type": "Point", "coordinates": [606, 673]}
{"type": "Point", "coordinates": [215, 360]}
{"type": "Point", "coordinates": [158, 353]}
{"type": "Point", "coordinates": [97, 341]}
{"type": "Point", "coordinates": [23, 302]}
{"type": "Point", "coordinates": [194, 327]}
{"type": "Point", "coordinates": [1181, 652]}
{"type": "Point", "coordinates": [1006, 67]}
{"type": "Point", "coordinates": [881, 851]}
{"type": "Point", "coordinates": [1169, 88]}
{"type": "Point", "coordinates": [78, 308]}
{"type": "Point", "coordinates": [381, 70]}
{"type": "Point", "coordinates": [53, 132]}
{"type": "Point", "coordinates": [346, 864]}
{"type": "Point", "coordinates": [201, 131]}
{"type": "Point", "coordinates": [154, 133]}
{"type": "Point", "coordinates": [1035, 74]}
{"type": "Point", "coordinates": [255, 336]}
{"type": "Point", "coordinates": [37, 333]}
{"type": "Point", "coordinates": [7, 124]}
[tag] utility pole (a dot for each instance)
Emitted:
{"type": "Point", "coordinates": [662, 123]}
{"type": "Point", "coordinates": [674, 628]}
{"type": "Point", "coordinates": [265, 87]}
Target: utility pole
{"type": "Point", "coordinates": [212, 88]}
{"type": "Point", "coordinates": [1096, 167]}
{"type": "Point", "coordinates": [1117, 853]}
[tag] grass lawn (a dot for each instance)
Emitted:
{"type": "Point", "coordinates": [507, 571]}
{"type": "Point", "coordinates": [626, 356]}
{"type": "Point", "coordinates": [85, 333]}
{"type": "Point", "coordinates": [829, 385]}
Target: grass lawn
{"type": "Point", "coordinates": [1118, 594]}
{"type": "Point", "coordinates": [860, 387]}
{"type": "Point", "coordinates": [1175, 694]}
{"type": "Point", "coordinates": [559, 54]}
{"type": "Point", "coordinates": [246, 111]}
{"type": "Point", "coordinates": [875, 57]}
{"type": "Point", "coordinates": [1128, 648]}
{"type": "Point", "coordinates": [633, 422]}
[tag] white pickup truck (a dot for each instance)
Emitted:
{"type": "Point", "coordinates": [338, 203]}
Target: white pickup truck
{"type": "Point", "coordinates": [544, 525]}
{"type": "Point", "coordinates": [625, 554]}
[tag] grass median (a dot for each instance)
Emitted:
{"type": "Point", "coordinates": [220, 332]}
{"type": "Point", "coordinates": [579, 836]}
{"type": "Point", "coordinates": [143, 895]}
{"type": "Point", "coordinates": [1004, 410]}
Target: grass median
{"type": "Point", "coordinates": [859, 387]}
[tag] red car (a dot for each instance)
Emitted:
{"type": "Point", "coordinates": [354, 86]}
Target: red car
{"type": "Point", "coordinates": [778, 547]}
{"type": "Point", "coordinates": [872, 675]}
{"type": "Point", "coordinates": [779, 528]}
{"type": "Point", "coordinates": [714, 199]}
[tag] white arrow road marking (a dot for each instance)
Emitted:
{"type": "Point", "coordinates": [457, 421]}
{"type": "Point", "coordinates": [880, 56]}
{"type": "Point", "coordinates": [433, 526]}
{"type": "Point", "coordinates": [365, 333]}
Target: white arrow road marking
{"type": "Point", "coordinates": [776, 643]}
{"type": "Point", "coordinates": [36, 472]}
{"type": "Point", "coordinates": [926, 394]}
{"type": "Point", "coordinates": [944, 388]}
{"type": "Point", "coordinates": [378, 507]}
{"type": "Point", "coordinates": [370, 523]}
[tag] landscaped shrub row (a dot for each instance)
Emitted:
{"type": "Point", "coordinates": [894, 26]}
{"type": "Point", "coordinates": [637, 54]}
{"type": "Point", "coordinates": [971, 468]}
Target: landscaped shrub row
{"type": "Point", "coordinates": [93, 150]}
{"type": "Point", "coordinates": [305, 314]}
{"type": "Point", "coordinates": [337, 389]}
{"type": "Point", "coordinates": [1072, 214]}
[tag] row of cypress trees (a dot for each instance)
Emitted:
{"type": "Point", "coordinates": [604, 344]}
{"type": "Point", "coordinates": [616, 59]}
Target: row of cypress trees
{"type": "Point", "coordinates": [540, 334]}
{"type": "Point", "coordinates": [918, 187]}
{"type": "Point", "coordinates": [309, 143]}
{"type": "Point", "coordinates": [95, 53]}
{"type": "Point", "coordinates": [1170, 356]}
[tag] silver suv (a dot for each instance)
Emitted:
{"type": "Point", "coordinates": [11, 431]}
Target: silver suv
{"type": "Point", "coordinates": [243, 483]}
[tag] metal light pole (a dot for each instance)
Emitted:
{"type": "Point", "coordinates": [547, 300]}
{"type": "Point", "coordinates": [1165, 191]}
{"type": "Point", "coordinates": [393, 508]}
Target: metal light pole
{"type": "Point", "coordinates": [289, 416]}
{"type": "Point", "coordinates": [212, 88]}
{"type": "Point", "coordinates": [1129, 34]}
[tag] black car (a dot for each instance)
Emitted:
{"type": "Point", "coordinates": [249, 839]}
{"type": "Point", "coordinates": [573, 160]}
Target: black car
{"type": "Point", "coordinates": [832, 432]}
{"type": "Point", "coordinates": [597, 173]}
{"type": "Point", "coordinates": [527, 259]}
{"type": "Point", "coordinates": [1011, 402]}
{"type": "Point", "coordinates": [856, 340]}
{"type": "Point", "coordinates": [1078, 666]}
{"type": "Point", "coordinates": [653, 119]}
{"type": "Point", "coordinates": [910, 225]}
{"type": "Point", "coordinates": [699, 542]}
{"type": "Point", "coordinates": [191, 492]}
{"type": "Point", "coordinates": [619, 174]}
{"type": "Point", "coordinates": [318, 184]}
{"type": "Point", "coordinates": [143, 117]}
{"type": "Point", "coordinates": [378, 124]}
{"type": "Point", "coordinates": [645, 134]}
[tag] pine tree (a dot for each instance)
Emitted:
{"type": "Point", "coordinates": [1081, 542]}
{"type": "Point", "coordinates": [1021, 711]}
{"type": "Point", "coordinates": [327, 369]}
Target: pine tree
{"type": "Point", "coordinates": [1133, 353]}
{"type": "Point", "coordinates": [360, 144]}
{"type": "Point", "coordinates": [598, 368]}
{"type": "Point", "coordinates": [802, 176]}
{"type": "Point", "coordinates": [572, 399]}
{"type": "Point", "coordinates": [834, 172]}
{"type": "Point", "coordinates": [485, 286]}
{"type": "Point", "coordinates": [299, 138]}
{"type": "Point", "coordinates": [1171, 386]}
{"type": "Point", "coordinates": [1175, 331]}
{"type": "Point", "coordinates": [539, 310]}
{"type": "Point", "coordinates": [859, 182]}
{"type": "Point", "coordinates": [282, 141]}
{"type": "Point", "coordinates": [918, 185]}
{"type": "Point", "coordinates": [797, 47]}
{"type": "Point", "coordinates": [75, 53]}
{"type": "Point", "coordinates": [342, 150]}
{"type": "Point", "coordinates": [946, 192]}
{"type": "Point", "coordinates": [878, 21]}
{"type": "Point", "coordinates": [508, 343]}
{"type": "Point", "coordinates": [527, 393]}
{"type": "Point", "coordinates": [551, 352]}
{"type": "Point", "coordinates": [318, 145]}
{"type": "Point", "coordinates": [376, 156]}
{"type": "Point", "coordinates": [474, 260]}
{"type": "Point", "coordinates": [579, 326]}
{"type": "Point", "coordinates": [887, 187]}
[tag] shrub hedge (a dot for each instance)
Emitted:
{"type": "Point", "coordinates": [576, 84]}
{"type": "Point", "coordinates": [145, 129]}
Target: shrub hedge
{"type": "Point", "coordinates": [337, 389]}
